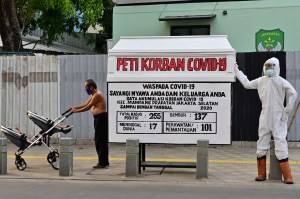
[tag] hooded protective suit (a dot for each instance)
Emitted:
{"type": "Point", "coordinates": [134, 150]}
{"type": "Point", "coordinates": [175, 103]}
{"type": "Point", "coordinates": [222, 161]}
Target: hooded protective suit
{"type": "Point", "coordinates": [274, 116]}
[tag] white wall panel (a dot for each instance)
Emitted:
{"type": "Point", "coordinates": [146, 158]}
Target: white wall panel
{"type": "Point", "coordinates": [293, 76]}
{"type": "Point", "coordinates": [28, 83]}
{"type": "Point", "coordinates": [74, 71]}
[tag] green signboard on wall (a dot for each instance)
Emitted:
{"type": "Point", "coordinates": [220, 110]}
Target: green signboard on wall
{"type": "Point", "coordinates": [269, 40]}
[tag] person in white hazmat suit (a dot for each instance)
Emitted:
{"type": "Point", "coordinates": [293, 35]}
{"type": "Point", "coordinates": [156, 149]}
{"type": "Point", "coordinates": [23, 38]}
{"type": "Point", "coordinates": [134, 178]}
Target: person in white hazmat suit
{"type": "Point", "coordinates": [272, 90]}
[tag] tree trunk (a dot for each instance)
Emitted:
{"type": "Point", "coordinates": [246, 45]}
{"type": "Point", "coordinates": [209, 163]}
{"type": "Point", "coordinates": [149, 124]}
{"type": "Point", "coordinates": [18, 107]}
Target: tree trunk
{"type": "Point", "coordinates": [9, 26]}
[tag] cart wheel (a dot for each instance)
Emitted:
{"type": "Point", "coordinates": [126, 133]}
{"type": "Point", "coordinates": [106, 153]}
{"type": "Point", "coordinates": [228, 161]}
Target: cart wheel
{"type": "Point", "coordinates": [51, 155]}
{"type": "Point", "coordinates": [21, 164]}
{"type": "Point", "coordinates": [55, 161]}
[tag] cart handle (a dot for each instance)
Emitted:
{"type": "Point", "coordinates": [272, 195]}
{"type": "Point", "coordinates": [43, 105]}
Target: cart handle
{"type": "Point", "coordinates": [69, 114]}
{"type": "Point", "coordinates": [67, 111]}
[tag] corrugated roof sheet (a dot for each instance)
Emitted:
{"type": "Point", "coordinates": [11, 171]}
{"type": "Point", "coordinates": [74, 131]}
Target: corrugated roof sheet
{"type": "Point", "coordinates": [30, 43]}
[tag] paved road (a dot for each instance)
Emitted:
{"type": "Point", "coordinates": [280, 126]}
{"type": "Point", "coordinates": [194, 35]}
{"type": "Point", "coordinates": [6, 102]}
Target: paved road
{"type": "Point", "coordinates": [60, 189]}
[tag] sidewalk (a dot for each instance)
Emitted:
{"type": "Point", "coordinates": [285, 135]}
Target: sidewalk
{"type": "Point", "coordinates": [227, 164]}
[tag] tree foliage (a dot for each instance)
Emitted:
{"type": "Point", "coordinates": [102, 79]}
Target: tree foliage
{"type": "Point", "coordinates": [106, 21]}
{"type": "Point", "coordinates": [54, 17]}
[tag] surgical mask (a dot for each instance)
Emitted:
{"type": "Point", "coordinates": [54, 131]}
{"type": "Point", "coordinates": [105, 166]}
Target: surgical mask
{"type": "Point", "coordinates": [269, 72]}
{"type": "Point", "coordinates": [88, 90]}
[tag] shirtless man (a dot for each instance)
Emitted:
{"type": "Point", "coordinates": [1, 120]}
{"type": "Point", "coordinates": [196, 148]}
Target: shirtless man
{"type": "Point", "coordinates": [96, 103]}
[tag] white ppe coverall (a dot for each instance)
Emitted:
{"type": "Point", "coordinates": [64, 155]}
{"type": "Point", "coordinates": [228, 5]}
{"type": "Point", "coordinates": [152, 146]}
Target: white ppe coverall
{"type": "Point", "coordinates": [274, 116]}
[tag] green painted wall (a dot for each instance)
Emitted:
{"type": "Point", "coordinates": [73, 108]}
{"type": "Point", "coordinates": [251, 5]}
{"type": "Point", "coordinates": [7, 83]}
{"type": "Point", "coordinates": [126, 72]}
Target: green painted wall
{"type": "Point", "coordinates": [241, 23]}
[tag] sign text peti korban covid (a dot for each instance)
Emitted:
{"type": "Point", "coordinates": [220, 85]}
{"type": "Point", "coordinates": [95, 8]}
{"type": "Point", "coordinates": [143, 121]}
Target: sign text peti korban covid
{"type": "Point", "coordinates": [171, 64]}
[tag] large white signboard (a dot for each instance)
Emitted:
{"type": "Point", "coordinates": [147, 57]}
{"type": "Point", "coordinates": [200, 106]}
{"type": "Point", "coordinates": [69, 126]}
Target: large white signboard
{"type": "Point", "coordinates": [170, 112]}
{"type": "Point", "coordinates": [170, 89]}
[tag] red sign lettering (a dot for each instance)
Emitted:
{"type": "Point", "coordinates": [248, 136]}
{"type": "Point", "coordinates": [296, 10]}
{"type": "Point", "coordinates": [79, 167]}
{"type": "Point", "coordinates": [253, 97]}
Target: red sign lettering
{"type": "Point", "coordinates": [171, 64]}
